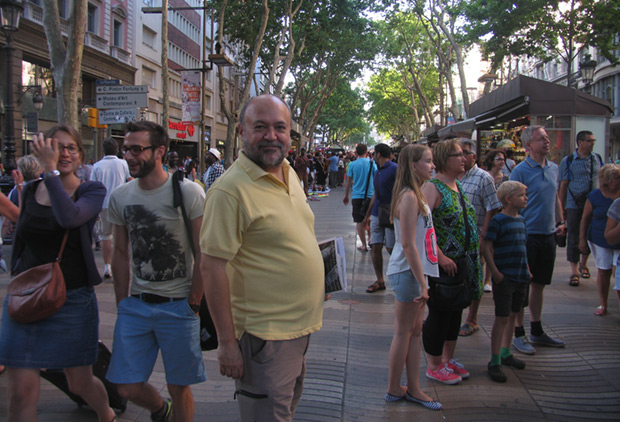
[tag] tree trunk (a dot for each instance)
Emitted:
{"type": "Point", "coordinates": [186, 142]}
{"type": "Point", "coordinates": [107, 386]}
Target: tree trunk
{"type": "Point", "coordinates": [66, 62]}
{"type": "Point", "coordinates": [458, 51]}
{"type": "Point", "coordinates": [291, 53]}
{"type": "Point", "coordinates": [233, 115]}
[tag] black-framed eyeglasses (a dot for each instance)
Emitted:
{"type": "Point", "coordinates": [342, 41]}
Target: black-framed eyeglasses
{"type": "Point", "coordinates": [73, 149]}
{"type": "Point", "coordinates": [460, 155]}
{"type": "Point", "coordinates": [135, 149]}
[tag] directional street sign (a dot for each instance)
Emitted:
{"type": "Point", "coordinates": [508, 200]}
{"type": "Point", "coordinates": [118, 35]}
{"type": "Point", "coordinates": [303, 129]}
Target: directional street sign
{"type": "Point", "coordinates": [110, 117]}
{"type": "Point", "coordinates": [108, 82]}
{"type": "Point", "coordinates": [121, 96]}
{"type": "Point", "coordinates": [115, 101]}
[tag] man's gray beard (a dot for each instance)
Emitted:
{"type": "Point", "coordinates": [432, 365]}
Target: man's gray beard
{"type": "Point", "coordinates": [254, 154]}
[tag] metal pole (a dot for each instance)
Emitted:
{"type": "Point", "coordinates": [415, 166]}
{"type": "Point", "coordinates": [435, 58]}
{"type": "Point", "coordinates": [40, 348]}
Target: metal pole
{"type": "Point", "coordinates": [203, 82]}
{"type": "Point", "coordinates": [8, 148]}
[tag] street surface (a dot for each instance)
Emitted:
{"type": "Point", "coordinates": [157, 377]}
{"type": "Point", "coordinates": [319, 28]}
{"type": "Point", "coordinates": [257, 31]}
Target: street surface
{"type": "Point", "coordinates": [348, 359]}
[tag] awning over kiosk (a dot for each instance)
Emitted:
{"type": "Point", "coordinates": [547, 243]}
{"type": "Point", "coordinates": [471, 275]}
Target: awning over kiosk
{"type": "Point", "coordinates": [524, 95]}
{"type": "Point", "coordinates": [462, 129]}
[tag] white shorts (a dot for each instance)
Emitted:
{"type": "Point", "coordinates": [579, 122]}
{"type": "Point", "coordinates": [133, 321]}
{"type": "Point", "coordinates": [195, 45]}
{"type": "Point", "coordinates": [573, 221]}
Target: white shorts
{"type": "Point", "coordinates": [605, 258]}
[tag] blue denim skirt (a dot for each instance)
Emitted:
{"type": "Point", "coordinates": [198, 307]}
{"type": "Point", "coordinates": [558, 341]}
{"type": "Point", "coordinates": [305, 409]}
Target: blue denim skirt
{"type": "Point", "coordinates": [66, 339]}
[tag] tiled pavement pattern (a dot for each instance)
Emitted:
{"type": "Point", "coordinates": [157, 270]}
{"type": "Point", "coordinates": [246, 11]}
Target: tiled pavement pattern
{"type": "Point", "coordinates": [347, 360]}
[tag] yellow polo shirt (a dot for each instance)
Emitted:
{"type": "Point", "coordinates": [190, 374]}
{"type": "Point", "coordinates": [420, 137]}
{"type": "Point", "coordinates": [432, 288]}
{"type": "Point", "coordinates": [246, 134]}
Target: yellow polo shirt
{"type": "Point", "coordinates": [265, 230]}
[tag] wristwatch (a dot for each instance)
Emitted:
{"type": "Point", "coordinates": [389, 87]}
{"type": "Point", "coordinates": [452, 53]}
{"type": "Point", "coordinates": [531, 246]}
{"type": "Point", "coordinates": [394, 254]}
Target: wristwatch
{"type": "Point", "coordinates": [52, 173]}
{"type": "Point", "coordinates": [195, 308]}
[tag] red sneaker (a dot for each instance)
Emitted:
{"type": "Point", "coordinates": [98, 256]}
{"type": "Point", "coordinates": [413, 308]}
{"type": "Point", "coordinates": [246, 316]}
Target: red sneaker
{"type": "Point", "coordinates": [443, 374]}
{"type": "Point", "coordinates": [458, 368]}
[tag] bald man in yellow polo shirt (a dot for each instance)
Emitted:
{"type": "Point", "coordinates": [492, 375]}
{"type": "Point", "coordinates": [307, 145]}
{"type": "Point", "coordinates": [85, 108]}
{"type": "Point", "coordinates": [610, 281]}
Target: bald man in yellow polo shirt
{"type": "Point", "coordinates": [262, 267]}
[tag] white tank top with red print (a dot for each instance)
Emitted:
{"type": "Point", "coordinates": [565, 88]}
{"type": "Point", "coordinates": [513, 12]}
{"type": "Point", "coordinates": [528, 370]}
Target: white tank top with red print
{"type": "Point", "coordinates": [426, 243]}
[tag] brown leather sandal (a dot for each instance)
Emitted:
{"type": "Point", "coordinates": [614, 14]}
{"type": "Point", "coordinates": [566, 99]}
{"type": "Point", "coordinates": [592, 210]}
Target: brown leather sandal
{"type": "Point", "coordinates": [375, 287]}
{"type": "Point", "coordinates": [574, 280]}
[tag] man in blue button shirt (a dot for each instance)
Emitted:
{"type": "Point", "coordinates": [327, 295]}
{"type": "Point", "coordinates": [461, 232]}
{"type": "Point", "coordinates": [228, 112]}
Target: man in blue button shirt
{"type": "Point", "coordinates": [578, 177]}
{"type": "Point", "coordinates": [379, 236]}
{"type": "Point", "coordinates": [540, 175]}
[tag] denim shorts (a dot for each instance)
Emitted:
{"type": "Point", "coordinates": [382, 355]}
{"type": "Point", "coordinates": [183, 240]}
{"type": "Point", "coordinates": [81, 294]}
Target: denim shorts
{"type": "Point", "coordinates": [142, 329]}
{"type": "Point", "coordinates": [380, 234]}
{"type": "Point", "coordinates": [405, 286]}
{"type": "Point", "coordinates": [64, 340]}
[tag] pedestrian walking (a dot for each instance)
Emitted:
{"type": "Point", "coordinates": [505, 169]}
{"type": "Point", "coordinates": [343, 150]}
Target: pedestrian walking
{"type": "Point", "coordinates": [158, 306]}
{"type": "Point", "coordinates": [59, 206]}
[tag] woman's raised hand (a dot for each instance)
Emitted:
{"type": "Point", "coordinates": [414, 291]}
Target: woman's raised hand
{"type": "Point", "coordinates": [46, 152]}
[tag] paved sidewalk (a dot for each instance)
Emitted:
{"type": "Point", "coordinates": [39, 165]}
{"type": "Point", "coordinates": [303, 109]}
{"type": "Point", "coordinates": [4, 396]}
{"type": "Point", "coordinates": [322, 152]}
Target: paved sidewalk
{"type": "Point", "coordinates": [348, 359]}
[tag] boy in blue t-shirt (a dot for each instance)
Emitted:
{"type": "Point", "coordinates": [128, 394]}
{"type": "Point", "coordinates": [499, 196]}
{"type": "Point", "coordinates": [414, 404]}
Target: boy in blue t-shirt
{"type": "Point", "coordinates": [504, 251]}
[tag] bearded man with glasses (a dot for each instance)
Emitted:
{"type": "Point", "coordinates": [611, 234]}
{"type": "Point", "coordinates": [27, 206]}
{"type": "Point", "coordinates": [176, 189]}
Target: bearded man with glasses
{"type": "Point", "coordinates": [159, 308]}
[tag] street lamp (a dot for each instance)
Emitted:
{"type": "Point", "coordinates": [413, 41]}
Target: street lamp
{"type": "Point", "coordinates": [586, 67]}
{"type": "Point", "coordinates": [10, 14]}
{"type": "Point", "coordinates": [37, 97]}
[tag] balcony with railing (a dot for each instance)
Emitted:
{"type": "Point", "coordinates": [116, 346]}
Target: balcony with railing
{"type": "Point", "coordinates": [34, 13]}
{"type": "Point", "coordinates": [120, 54]}
{"type": "Point", "coordinates": [95, 41]}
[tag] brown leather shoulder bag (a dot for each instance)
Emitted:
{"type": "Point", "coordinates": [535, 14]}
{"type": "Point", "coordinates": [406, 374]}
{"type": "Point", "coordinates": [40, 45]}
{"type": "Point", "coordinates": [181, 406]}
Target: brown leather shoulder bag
{"type": "Point", "coordinates": [38, 292]}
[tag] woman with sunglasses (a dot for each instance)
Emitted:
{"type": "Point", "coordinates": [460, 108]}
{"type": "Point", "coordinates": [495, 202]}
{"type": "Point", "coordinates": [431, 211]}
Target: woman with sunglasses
{"type": "Point", "coordinates": [454, 219]}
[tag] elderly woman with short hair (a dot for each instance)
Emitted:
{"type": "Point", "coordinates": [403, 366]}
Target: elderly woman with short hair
{"type": "Point", "coordinates": [28, 169]}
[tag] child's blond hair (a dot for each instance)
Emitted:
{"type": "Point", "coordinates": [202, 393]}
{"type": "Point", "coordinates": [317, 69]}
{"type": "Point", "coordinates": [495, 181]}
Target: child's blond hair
{"type": "Point", "coordinates": [508, 188]}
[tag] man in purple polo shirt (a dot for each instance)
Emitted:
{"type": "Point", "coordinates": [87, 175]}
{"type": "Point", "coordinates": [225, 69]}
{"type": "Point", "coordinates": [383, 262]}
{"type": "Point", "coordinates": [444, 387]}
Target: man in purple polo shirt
{"type": "Point", "coordinates": [379, 236]}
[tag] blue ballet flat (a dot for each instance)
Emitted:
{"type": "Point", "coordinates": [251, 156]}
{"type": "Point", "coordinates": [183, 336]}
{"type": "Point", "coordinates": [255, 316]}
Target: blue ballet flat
{"type": "Point", "coordinates": [391, 398]}
{"type": "Point", "coordinates": [431, 404]}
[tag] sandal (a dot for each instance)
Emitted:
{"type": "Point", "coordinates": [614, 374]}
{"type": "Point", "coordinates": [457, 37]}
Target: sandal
{"type": "Point", "coordinates": [467, 330]}
{"type": "Point", "coordinates": [363, 249]}
{"type": "Point", "coordinates": [375, 287]}
{"type": "Point", "coordinates": [600, 311]}
{"type": "Point", "coordinates": [584, 271]}
{"type": "Point", "coordinates": [574, 280]}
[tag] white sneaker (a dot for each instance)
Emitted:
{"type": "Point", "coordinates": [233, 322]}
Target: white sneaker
{"type": "Point", "coordinates": [487, 288]}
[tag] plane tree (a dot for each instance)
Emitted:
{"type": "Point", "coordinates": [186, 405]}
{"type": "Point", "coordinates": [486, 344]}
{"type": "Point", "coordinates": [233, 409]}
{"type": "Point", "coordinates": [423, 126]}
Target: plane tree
{"type": "Point", "coordinates": [544, 29]}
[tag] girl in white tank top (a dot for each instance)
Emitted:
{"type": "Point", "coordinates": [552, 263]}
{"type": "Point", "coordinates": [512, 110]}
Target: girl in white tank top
{"type": "Point", "coordinates": [415, 257]}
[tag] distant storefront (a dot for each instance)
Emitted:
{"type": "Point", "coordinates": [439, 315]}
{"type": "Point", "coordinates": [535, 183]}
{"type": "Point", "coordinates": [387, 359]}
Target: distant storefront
{"type": "Point", "coordinates": [184, 138]}
{"type": "Point", "coordinates": [525, 101]}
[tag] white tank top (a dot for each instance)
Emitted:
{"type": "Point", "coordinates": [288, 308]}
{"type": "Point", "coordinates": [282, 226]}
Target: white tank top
{"type": "Point", "coordinates": [426, 243]}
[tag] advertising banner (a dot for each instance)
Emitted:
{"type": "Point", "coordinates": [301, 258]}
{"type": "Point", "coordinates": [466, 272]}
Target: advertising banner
{"type": "Point", "coordinates": [190, 97]}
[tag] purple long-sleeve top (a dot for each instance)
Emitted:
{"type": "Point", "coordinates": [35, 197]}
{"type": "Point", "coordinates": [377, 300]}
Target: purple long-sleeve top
{"type": "Point", "coordinates": [70, 214]}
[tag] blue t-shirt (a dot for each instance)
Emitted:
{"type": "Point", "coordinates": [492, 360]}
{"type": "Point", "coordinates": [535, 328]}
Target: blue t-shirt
{"type": "Point", "coordinates": [509, 239]}
{"type": "Point", "coordinates": [600, 206]}
{"type": "Point", "coordinates": [383, 184]}
{"type": "Point", "coordinates": [333, 163]}
{"type": "Point", "coordinates": [542, 187]}
{"type": "Point", "coordinates": [358, 171]}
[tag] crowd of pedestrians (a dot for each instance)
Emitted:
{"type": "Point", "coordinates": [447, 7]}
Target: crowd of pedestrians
{"type": "Point", "coordinates": [243, 239]}
{"type": "Point", "coordinates": [510, 215]}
